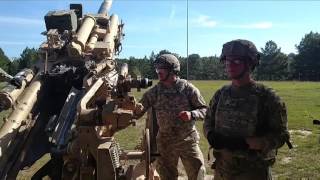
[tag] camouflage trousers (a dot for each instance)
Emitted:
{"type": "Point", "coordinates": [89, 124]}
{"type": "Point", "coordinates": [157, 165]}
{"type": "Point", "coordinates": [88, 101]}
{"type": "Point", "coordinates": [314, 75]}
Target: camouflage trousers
{"type": "Point", "coordinates": [187, 150]}
{"type": "Point", "coordinates": [231, 168]}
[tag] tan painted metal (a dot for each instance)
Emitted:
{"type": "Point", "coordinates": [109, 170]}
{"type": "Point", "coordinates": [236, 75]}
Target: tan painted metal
{"type": "Point", "coordinates": [84, 113]}
{"type": "Point", "coordinates": [10, 93]}
{"type": "Point", "coordinates": [78, 44]}
{"type": "Point", "coordinates": [20, 113]}
{"type": "Point", "coordinates": [109, 38]}
{"type": "Point", "coordinates": [93, 40]}
{"type": "Point", "coordinates": [105, 7]}
{"type": "Point", "coordinates": [106, 107]}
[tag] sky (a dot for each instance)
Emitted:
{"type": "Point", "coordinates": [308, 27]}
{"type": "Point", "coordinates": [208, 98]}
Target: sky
{"type": "Point", "coordinates": [154, 25]}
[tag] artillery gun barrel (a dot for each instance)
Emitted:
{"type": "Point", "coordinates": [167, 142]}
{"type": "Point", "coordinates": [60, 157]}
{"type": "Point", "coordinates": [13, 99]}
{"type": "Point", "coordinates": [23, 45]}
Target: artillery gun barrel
{"type": "Point", "coordinates": [10, 93]}
{"type": "Point", "coordinates": [109, 38]}
{"type": "Point", "coordinates": [132, 155]}
{"type": "Point", "coordinates": [76, 126]}
{"type": "Point", "coordinates": [79, 42]}
{"type": "Point", "coordinates": [93, 39]}
{"type": "Point", "coordinates": [105, 7]}
{"type": "Point", "coordinates": [20, 113]}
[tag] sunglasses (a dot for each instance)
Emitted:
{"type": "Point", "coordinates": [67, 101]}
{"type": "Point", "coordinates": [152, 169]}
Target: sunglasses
{"type": "Point", "coordinates": [234, 61]}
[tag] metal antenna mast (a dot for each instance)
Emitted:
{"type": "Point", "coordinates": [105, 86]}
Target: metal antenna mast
{"type": "Point", "coordinates": [187, 39]}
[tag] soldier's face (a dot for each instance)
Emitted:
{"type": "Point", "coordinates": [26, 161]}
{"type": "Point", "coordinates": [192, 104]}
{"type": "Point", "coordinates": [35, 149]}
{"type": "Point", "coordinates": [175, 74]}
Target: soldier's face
{"type": "Point", "coordinates": [234, 66]}
{"type": "Point", "coordinates": [162, 73]}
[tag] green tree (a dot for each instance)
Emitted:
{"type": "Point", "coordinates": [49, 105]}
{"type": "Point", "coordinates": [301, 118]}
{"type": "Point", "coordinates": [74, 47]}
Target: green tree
{"type": "Point", "coordinates": [183, 67]}
{"type": "Point", "coordinates": [28, 57]}
{"type": "Point", "coordinates": [133, 69]}
{"type": "Point", "coordinates": [148, 69]}
{"type": "Point", "coordinates": [163, 52]}
{"type": "Point", "coordinates": [152, 73]}
{"type": "Point", "coordinates": [194, 65]}
{"type": "Point", "coordinates": [273, 63]}
{"type": "Point", "coordinates": [13, 66]}
{"type": "Point", "coordinates": [212, 68]}
{"type": "Point", "coordinates": [306, 63]}
{"type": "Point", "coordinates": [291, 68]}
{"type": "Point", "coordinates": [4, 61]}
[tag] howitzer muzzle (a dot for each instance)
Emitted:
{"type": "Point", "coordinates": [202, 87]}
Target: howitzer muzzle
{"type": "Point", "coordinates": [15, 119]}
{"type": "Point", "coordinates": [129, 83]}
{"type": "Point", "coordinates": [10, 93]}
{"type": "Point", "coordinates": [141, 83]}
{"type": "Point", "coordinates": [105, 7]}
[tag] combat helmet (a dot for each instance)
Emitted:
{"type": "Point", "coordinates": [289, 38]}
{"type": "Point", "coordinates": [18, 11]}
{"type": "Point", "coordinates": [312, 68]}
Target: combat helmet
{"type": "Point", "coordinates": [168, 61]}
{"type": "Point", "coordinates": [241, 48]}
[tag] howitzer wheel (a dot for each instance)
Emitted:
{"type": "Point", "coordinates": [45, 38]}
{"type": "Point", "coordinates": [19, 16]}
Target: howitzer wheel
{"type": "Point", "coordinates": [147, 152]}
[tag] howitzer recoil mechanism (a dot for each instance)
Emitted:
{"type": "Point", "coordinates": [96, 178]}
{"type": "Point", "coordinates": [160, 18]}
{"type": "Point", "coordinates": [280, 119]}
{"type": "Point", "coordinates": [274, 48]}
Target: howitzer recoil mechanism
{"type": "Point", "coordinates": [71, 103]}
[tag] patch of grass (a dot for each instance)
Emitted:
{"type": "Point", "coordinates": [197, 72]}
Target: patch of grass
{"type": "Point", "coordinates": [303, 103]}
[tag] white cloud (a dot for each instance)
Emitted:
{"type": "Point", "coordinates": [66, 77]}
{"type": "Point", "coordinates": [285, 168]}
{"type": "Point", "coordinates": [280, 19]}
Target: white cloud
{"type": "Point", "coordinates": [259, 25]}
{"type": "Point", "coordinates": [20, 21]}
{"type": "Point", "coordinates": [204, 21]}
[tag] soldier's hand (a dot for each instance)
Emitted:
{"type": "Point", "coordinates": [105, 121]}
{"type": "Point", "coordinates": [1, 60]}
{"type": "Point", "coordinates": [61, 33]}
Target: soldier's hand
{"type": "Point", "coordinates": [185, 116]}
{"type": "Point", "coordinates": [256, 143]}
{"type": "Point", "coordinates": [138, 108]}
{"type": "Point", "coordinates": [220, 141]}
{"type": "Point", "coordinates": [138, 111]}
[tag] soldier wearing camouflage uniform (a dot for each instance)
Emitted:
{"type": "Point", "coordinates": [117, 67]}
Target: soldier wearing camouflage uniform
{"type": "Point", "coordinates": [246, 121]}
{"type": "Point", "coordinates": [176, 104]}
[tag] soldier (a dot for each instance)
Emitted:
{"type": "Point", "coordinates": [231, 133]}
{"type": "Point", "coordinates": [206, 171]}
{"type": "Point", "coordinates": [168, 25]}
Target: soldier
{"type": "Point", "coordinates": [246, 121]}
{"type": "Point", "coordinates": [176, 104]}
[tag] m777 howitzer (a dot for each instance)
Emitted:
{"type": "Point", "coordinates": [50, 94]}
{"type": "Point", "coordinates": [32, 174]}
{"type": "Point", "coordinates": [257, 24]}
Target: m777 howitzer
{"type": "Point", "coordinates": [70, 104]}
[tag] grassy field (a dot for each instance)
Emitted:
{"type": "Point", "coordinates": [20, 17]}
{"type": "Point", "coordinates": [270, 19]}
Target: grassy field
{"type": "Point", "coordinates": [303, 104]}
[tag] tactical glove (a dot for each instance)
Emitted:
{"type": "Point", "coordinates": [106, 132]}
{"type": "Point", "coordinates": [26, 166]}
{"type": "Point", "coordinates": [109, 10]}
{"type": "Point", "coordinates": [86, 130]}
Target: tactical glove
{"type": "Point", "coordinates": [219, 141]}
{"type": "Point", "coordinates": [215, 140]}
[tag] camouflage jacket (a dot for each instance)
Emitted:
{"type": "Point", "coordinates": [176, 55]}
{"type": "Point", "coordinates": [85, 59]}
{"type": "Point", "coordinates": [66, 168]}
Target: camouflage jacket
{"type": "Point", "coordinates": [250, 111]}
{"type": "Point", "coordinates": [169, 102]}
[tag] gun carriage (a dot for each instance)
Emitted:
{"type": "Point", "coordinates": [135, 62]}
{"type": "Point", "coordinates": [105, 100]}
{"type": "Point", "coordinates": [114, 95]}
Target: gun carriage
{"type": "Point", "coordinates": [71, 103]}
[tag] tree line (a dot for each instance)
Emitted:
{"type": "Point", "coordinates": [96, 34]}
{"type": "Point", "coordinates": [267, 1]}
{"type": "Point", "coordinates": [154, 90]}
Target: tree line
{"type": "Point", "coordinates": [27, 58]}
{"type": "Point", "coordinates": [274, 64]}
